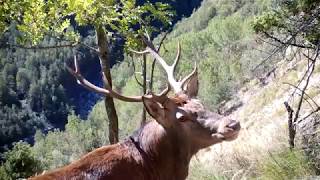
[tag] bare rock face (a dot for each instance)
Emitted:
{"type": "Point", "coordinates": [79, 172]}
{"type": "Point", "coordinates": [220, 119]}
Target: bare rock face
{"type": "Point", "coordinates": [308, 133]}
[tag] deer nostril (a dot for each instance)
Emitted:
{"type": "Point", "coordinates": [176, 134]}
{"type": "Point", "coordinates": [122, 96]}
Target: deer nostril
{"type": "Point", "coordinates": [235, 125]}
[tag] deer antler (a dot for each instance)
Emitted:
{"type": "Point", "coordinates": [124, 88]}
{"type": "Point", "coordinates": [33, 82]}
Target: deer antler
{"type": "Point", "coordinates": [176, 85]}
{"type": "Point", "coordinates": [108, 91]}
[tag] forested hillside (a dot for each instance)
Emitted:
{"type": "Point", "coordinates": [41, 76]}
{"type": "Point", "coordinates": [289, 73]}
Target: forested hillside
{"type": "Point", "coordinates": [32, 91]}
{"type": "Point", "coordinates": [36, 92]}
{"type": "Point", "coordinates": [242, 75]}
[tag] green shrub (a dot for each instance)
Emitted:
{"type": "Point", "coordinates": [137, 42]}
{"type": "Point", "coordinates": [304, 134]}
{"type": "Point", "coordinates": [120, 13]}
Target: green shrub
{"type": "Point", "coordinates": [285, 165]}
{"type": "Point", "coordinates": [59, 148]}
{"type": "Point", "coordinates": [20, 162]}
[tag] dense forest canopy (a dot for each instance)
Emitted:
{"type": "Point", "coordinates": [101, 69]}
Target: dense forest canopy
{"type": "Point", "coordinates": [227, 39]}
{"type": "Point", "coordinates": [32, 90]}
{"type": "Point", "coordinates": [43, 26]}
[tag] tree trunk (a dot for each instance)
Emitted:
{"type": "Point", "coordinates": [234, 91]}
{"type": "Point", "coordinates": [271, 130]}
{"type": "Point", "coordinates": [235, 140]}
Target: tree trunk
{"type": "Point", "coordinates": [105, 68]}
{"type": "Point", "coordinates": [292, 131]}
{"type": "Point", "coordinates": [144, 78]}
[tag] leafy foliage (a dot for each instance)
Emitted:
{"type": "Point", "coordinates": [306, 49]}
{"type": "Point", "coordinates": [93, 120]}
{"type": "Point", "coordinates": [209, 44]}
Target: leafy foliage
{"type": "Point", "coordinates": [31, 90]}
{"type": "Point", "coordinates": [296, 20]}
{"type": "Point", "coordinates": [58, 148]}
{"type": "Point", "coordinates": [21, 162]}
{"type": "Point", "coordinates": [38, 18]}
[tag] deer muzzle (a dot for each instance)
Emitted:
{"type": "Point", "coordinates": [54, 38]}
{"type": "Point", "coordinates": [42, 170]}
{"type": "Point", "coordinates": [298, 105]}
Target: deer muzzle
{"type": "Point", "coordinates": [229, 129]}
{"type": "Point", "coordinates": [235, 125]}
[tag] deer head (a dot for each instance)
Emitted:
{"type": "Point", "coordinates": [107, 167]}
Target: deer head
{"type": "Point", "coordinates": [185, 114]}
{"type": "Point", "coordinates": [182, 114]}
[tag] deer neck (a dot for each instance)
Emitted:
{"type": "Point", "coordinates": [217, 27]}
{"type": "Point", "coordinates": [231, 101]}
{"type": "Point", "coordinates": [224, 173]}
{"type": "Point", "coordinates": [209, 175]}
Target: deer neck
{"type": "Point", "coordinates": [166, 152]}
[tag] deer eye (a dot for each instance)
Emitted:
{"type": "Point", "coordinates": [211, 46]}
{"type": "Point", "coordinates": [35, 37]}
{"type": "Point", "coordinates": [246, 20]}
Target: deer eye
{"type": "Point", "coordinates": [181, 117]}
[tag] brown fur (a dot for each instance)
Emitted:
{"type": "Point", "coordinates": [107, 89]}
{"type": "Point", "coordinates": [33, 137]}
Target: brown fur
{"type": "Point", "coordinates": [129, 160]}
{"type": "Point", "coordinates": [161, 150]}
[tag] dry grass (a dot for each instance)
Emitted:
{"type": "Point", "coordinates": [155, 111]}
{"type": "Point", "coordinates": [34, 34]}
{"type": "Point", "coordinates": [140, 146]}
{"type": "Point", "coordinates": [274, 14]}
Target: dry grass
{"type": "Point", "coordinates": [285, 165]}
{"type": "Point", "coordinates": [264, 132]}
{"type": "Point", "coordinates": [239, 158]}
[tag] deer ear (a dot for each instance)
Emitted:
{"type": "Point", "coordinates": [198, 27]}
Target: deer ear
{"type": "Point", "coordinates": [191, 87]}
{"type": "Point", "coordinates": [154, 108]}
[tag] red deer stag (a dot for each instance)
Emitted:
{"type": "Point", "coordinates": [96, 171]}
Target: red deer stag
{"type": "Point", "coordinates": [161, 149]}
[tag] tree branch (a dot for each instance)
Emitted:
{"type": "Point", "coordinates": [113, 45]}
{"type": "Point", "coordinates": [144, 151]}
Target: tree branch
{"type": "Point", "coordinates": [7, 45]}
{"type": "Point", "coordinates": [286, 43]}
{"type": "Point", "coordinates": [95, 50]}
{"type": "Point", "coordinates": [297, 88]}
{"type": "Point", "coordinates": [314, 111]}
{"type": "Point", "coordinates": [289, 41]}
{"type": "Point", "coordinates": [305, 86]}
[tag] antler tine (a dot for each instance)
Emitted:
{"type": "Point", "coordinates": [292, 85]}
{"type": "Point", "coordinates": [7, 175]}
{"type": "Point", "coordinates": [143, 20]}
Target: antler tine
{"type": "Point", "coordinates": [194, 72]}
{"type": "Point", "coordinates": [107, 92]}
{"type": "Point", "coordinates": [176, 61]}
{"type": "Point", "coordinates": [82, 81]}
{"type": "Point", "coordinates": [169, 70]}
{"type": "Point", "coordinates": [176, 85]}
{"type": "Point", "coordinates": [165, 91]}
{"type": "Point", "coordinates": [162, 96]}
{"type": "Point", "coordinates": [76, 67]}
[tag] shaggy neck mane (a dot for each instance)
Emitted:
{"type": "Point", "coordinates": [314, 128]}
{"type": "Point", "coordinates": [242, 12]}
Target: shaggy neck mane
{"type": "Point", "coordinates": [162, 150]}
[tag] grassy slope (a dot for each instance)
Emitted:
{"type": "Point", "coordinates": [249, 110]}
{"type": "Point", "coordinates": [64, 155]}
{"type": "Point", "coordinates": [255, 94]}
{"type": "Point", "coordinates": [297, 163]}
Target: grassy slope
{"type": "Point", "coordinates": [264, 126]}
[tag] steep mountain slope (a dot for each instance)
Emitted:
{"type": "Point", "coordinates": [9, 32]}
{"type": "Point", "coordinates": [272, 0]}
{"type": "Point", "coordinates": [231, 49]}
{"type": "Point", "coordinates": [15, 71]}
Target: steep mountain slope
{"type": "Point", "coordinates": [264, 122]}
